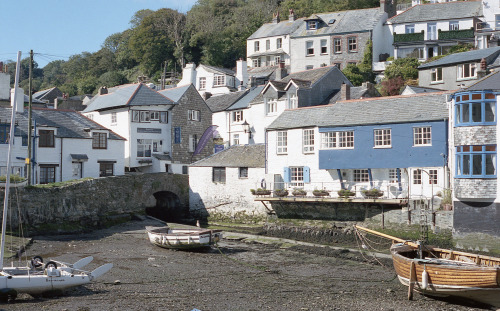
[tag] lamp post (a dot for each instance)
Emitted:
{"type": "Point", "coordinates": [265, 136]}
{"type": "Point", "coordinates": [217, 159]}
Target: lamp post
{"type": "Point", "coordinates": [246, 128]}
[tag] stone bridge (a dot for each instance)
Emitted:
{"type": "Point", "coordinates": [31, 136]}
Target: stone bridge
{"type": "Point", "coordinates": [99, 202]}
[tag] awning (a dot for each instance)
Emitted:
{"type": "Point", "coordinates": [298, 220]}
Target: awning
{"type": "Point", "coordinates": [79, 157]}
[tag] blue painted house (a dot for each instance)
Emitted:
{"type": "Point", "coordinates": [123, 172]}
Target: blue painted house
{"type": "Point", "coordinates": [396, 144]}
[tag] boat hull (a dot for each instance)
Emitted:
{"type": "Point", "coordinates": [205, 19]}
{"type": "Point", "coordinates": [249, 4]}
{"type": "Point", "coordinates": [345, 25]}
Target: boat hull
{"type": "Point", "coordinates": [183, 238]}
{"type": "Point", "coordinates": [447, 277]}
{"type": "Point", "coordinates": [34, 284]}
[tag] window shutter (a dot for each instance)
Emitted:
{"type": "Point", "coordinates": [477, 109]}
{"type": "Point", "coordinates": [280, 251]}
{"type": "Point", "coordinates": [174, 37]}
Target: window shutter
{"type": "Point", "coordinates": [307, 179]}
{"type": "Point", "coordinates": [191, 143]}
{"type": "Point", "coordinates": [286, 174]}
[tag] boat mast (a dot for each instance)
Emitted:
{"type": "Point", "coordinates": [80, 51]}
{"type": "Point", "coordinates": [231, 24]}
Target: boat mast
{"type": "Point", "coordinates": [9, 156]}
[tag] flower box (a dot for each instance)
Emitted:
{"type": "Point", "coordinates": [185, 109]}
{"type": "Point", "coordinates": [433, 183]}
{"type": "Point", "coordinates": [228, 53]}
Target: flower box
{"type": "Point", "coordinates": [321, 193]}
{"type": "Point", "coordinates": [373, 193]}
{"type": "Point", "coordinates": [345, 193]}
{"type": "Point", "coordinates": [281, 192]}
{"type": "Point", "coordinates": [260, 191]}
{"type": "Point", "coordinates": [299, 192]}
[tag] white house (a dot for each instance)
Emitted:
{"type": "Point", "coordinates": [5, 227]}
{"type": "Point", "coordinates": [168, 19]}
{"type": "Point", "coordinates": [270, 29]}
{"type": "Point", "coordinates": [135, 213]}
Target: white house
{"type": "Point", "coordinates": [488, 31]}
{"type": "Point", "coordinates": [139, 114]}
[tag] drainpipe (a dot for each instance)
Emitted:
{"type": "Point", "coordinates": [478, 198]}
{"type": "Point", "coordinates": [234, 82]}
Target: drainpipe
{"type": "Point", "coordinates": [339, 172]}
{"type": "Point", "coordinates": [370, 177]}
{"type": "Point", "coordinates": [60, 161]}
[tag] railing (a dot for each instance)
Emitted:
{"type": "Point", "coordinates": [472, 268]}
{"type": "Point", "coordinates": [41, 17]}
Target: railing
{"type": "Point", "coordinates": [403, 6]}
{"type": "Point", "coordinates": [408, 37]}
{"type": "Point", "coordinates": [456, 34]}
{"type": "Point", "coordinates": [390, 190]}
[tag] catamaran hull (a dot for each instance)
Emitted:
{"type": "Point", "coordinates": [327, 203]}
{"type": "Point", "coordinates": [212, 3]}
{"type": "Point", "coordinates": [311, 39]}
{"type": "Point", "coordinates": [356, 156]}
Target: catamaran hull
{"type": "Point", "coordinates": [39, 284]}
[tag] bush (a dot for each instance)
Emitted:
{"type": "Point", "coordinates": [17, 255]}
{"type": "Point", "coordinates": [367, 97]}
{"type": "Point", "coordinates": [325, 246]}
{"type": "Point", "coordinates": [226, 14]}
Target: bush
{"type": "Point", "coordinates": [299, 192]}
{"type": "Point", "coordinates": [260, 191]}
{"type": "Point", "coordinates": [281, 192]}
{"type": "Point", "coordinates": [392, 87]}
{"type": "Point", "coordinates": [345, 193]}
{"type": "Point", "coordinates": [321, 192]}
{"type": "Point", "coordinates": [373, 193]}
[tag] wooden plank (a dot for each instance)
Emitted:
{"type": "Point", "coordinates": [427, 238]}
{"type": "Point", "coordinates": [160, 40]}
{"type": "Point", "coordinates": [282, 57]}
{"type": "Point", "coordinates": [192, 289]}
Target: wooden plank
{"type": "Point", "coordinates": [413, 277]}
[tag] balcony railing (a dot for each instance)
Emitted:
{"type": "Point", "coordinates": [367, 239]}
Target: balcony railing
{"type": "Point", "coordinates": [408, 37]}
{"type": "Point", "coordinates": [456, 34]}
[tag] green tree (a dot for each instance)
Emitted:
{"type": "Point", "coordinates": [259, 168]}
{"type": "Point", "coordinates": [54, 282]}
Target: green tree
{"type": "Point", "coordinates": [362, 72]}
{"type": "Point", "coordinates": [406, 68]}
{"type": "Point", "coordinates": [87, 85]}
{"type": "Point", "coordinates": [112, 78]}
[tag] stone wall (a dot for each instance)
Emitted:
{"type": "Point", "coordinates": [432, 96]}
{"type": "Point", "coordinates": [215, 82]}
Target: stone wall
{"type": "Point", "coordinates": [92, 203]}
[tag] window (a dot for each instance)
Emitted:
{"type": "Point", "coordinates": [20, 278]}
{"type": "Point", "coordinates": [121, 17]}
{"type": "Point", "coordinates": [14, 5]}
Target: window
{"type": "Point", "coordinates": [194, 115]}
{"type": "Point", "coordinates": [47, 173]}
{"type": "Point", "coordinates": [237, 116]}
{"type": "Point", "coordinates": [256, 46]}
{"type": "Point", "coordinates": [410, 28]}
{"type": "Point", "coordinates": [497, 21]}
{"type": "Point", "coordinates": [411, 52]}
{"type": "Point", "coordinates": [475, 108]}
{"type": "Point", "coordinates": [145, 116]}
{"type": "Point", "coordinates": [476, 161]}
{"type": "Point", "coordinates": [324, 47]}
{"type": "Point", "coordinates": [466, 71]}
{"type": "Point", "coordinates": [309, 67]}
{"type": "Point", "coordinates": [309, 48]}
{"type": "Point", "coordinates": [337, 140]}
{"type": "Point", "coordinates": [422, 136]}
{"type": "Point", "coordinates": [437, 75]}
{"type": "Point", "coordinates": [271, 106]}
{"type": "Point", "coordinates": [282, 142]}
{"type": "Point", "coordinates": [256, 62]}
{"type": "Point", "coordinates": [219, 80]}
{"type": "Point", "coordinates": [296, 176]}
{"type": "Point", "coordinates": [4, 133]}
{"type": "Point", "coordinates": [185, 169]}
{"type": "Point", "coordinates": [417, 177]}
{"type": "Point", "coordinates": [382, 138]}
{"type": "Point", "coordinates": [308, 141]}
{"type": "Point", "coordinates": [279, 43]}
{"type": "Point", "coordinates": [292, 101]}
{"type": "Point", "coordinates": [393, 175]}
{"type": "Point", "coordinates": [277, 60]}
{"type": "Point", "coordinates": [431, 31]}
{"type": "Point", "coordinates": [106, 169]}
{"type": "Point", "coordinates": [154, 115]}
{"type": "Point", "coordinates": [136, 116]}
{"type": "Point", "coordinates": [243, 172]}
{"type": "Point", "coordinates": [337, 45]}
{"type": "Point", "coordinates": [193, 142]}
{"type": "Point", "coordinates": [146, 146]}
{"type": "Point", "coordinates": [219, 174]}
{"type": "Point", "coordinates": [268, 45]}
{"type": "Point", "coordinates": [99, 140]}
{"type": "Point", "coordinates": [113, 118]}
{"type": "Point", "coordinates": [164, 117]}
{"type": "Point", "coordinates": [433, 177]}
{"type": "Point", "coordinates": [352, 44]}
{"type": "Point", "coordinates": [202, 83]}
{"type": "Point", "coordinates": [311, 25]}
{"type": "Point", "coordinates": [236, 139]}
{"type": "Point", "coordinates": [361, 176]}
{"type": "Point", "coordinates": [46, 138]}
{"type": "Point", "coordinates": [76, 168]}
{"type": "Point", "coordinates": [454, 25]}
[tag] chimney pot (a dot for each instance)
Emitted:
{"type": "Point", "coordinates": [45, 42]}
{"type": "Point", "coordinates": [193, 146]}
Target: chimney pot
{"type": "Point", "coordinates": [345, 92]}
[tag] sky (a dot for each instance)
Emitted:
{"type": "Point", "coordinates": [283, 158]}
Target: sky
{"type": "Point", "coordinates": [57, 29]}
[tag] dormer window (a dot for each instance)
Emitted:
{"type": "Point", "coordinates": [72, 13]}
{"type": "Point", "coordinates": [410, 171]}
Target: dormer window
{"type": "Point", "coordinates": [312, 25]}
{"type": "Point", "coordinates": [219, 80]}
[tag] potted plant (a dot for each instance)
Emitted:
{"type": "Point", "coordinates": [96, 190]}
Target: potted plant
{"type": "Point", "coordinates": [299, 192]}
{"type": "Point", "coordinates": [373, 193]}
{"type": "Point", "coordinates": [321, 193]}
{"type": "Point", "coordinates": [281, 192]}
{"type": "Point", "coordinates": [446, 202]}
{"type": "Point", "coordinates": [345, 193]}
{"type": "Point", "coordinates": [260, 191]}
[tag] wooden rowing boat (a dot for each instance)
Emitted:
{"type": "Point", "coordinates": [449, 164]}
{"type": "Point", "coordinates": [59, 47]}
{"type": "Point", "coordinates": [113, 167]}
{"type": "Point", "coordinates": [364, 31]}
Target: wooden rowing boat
{"type": "Point", "coordinates": [440, 272]}
{"type": "Point", "coordinates": [182, 238]}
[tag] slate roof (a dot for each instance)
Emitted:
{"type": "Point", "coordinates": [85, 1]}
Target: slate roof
{"type": "Point", "coordinates": [127, 95]}
{"type": "Point", "coordinates": [40, 95]}
{"type": "Point", "coordinates": [439, 11]}
{"type": "Point", "coordinates": [312, 75]}
{"type": "Point", "coordinates": [224, 101]}
{"type": "Point", "coordinates": [236, 156]}
{"type": "Point", "coordinates": [285, 27]}
{"type": "Point", "coordinates": [379, 110]}
{"type": "Point", "coordinates": [218, 70]}
{"type": "Point", "coordinates": [357, 92]}
{"type": "Point", "coordinates": [490, 82]}
{"type": "Point", "coordinates": [344, 22]}
{"type": "Point", "coordinates": [420, 89]}
{"type": "Point", "coordinates": [175, 93]}
{"type": "Point", "coordinates": [244, 102]}
{"type": "Point", "coordinates": [69, 123]}
{"type": "Point", "coordinates": [465, 57]}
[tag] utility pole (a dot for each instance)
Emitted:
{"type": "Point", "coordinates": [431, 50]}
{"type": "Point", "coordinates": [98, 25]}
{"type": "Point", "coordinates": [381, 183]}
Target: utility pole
{"type": "Point", "coordinates": [30, 145]}
{"type": "Point", "coordinates": [163, 75]}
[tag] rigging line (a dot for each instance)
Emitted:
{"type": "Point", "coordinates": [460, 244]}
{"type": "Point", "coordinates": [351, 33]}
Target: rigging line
{"type": "Point", "coordinates": [358, 234]}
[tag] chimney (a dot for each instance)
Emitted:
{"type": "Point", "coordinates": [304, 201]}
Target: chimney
{"type": "Point", "coordinates": [241, 73]}
{"type": "Point", "coordinates": [4, 86]}
{"type": "Point", "coordinates": [188, 75]}
{"type": "Point", "coordinates": [483, 71]}
{"type": "Point", "coordinates": [206, 95]}
{"type": "Point", "coordinates": [103, 90]}
{"type": "Point", "coordinates": [19, 99]}
{"type": "Point", "coordinates": [388, 7]}
{"type": "Point", "coordinates": [345, 92]}
{"type": "Point", "coordinates": [276, 18]}
{"type": "Point", "coordinates": [280, 72]}
{"type": "Point", "coordinates": [291, 15]}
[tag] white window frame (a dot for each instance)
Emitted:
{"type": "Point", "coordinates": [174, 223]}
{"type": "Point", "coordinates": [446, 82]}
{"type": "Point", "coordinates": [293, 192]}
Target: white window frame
{"type": "Point", "coordinates": [393, 175]}
{"type": "Point", "coordinates": [312, 25]}
{"type": "Point", "coordinates": [382, 138]}
{"type": "Point", "coordinates": [113, 118]}
{"type": "Point", "coordinates": [237, 116]}
{"type": "Point", "coordinates": [281, 142]}
{"type": "Point", "coordinates": [410, 28]}
{"type": "Point", "coordinates": [256, 46]}
{"type": "Point", "coordinates": [466, 71]}
{"type": "Point", "coordinates": [433, 177]}
{"type": "Point", "coordinates": [337, 45]}
{"type": "Point", "coordinates": [422, 136]}
{"type": "Point", "coordinates": [236, 139]}
{"type": "Point", "coordinates": [193, 142]}
{"type": "Point", "coordinates": [417, 177]}
{"type": "Point", "coordinates": [145, 116]}
{"type": "Point", "coordinates": [324, 47]}
{"type": "Point", "coordinates": [155, 116]}
{"type": "Point", "coordinates": [268, 45]}
{"type": "Point", "coordinates": [202, 83]}
{"type": "Point", "coordinates": [436, 75]}
{"type": "Point", "coordinates": [337, 140]}
{"type": "Point", "coordinates": [308, 141]}
{"type": "Point", "coordinates": [256, 62]}
{"type": "Point", "coordinates": [293, 102]}
{"type": "Point", "coordinates": [454, 25]}
{"type": "Point", "coordinates": [219, 80]}
{"type": "Point", "coordinates": [279, 43]}
{"type": "Point", "coordinates": [271, 106]}
{"type": "Point", "coordinates": [151, 145]}
{"type": "Point", "coordinates": [352, 44]}
{"type": "Point", "coordinates": [193, 115]}
{"type": "Point", "coordinates": [296, 176]}
{"type": "Point", "coordinates": [309, 48]}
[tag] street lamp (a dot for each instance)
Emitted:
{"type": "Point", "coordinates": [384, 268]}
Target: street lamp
{"type": "Point", "coordinates": [246, 128]}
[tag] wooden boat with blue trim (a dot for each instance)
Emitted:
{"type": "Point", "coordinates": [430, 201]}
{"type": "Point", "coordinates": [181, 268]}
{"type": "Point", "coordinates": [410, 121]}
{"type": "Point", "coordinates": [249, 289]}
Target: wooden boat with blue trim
{"type": "Point", "coordinates": [441, 272]}
{"type": "Point", "coordinates": [183, 238]}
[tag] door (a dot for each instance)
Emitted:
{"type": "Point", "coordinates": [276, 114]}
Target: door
{"type": "Point", "coordinates": [278, 182]}
{"type": "Point", "coordinates": [77, 170]}
{"type": "Point", "coordinates": [431, 31]}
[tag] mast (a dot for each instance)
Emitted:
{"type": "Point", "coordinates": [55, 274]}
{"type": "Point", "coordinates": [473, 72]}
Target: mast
{"type": "Point", "coordinates": [9, 156]}
{"type": "Point", "coordinates": [30, 143]}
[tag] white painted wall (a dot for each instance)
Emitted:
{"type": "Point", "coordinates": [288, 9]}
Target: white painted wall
{"type": "Point", "coordinates": [285, 46]}
{"type": "Point", "coordinates": [299, 59]}
{"type": "Point", "coordinates": [4, 85]}
{"type": "Point", "coordinates": [230, 198]}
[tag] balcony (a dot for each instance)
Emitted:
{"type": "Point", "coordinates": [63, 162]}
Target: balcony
{"type": "Point", "coordinates": [408, 37]}
{"type": "Point", "coordinates": [455, 34]}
